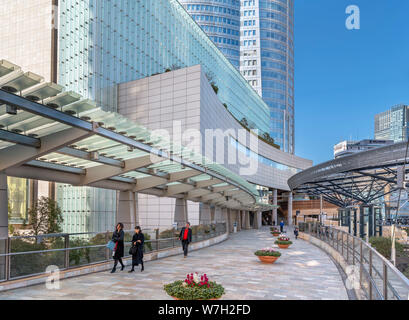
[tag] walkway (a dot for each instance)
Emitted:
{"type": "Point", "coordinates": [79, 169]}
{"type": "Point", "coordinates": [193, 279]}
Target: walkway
{"type": "Point", "coordinates": [302, 272]}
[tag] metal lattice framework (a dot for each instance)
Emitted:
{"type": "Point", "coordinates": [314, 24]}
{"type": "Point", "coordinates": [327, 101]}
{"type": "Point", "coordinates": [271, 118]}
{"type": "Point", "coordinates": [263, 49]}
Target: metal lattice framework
{"type": "Point", "coordinates": [49, 134]}
{"type": "Point", "coordinates": [357, 179]}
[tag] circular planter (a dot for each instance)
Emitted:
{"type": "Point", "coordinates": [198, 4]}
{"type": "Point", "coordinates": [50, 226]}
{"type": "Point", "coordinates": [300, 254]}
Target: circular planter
{"type": "Point", "coordinates": [275, 234]}
{"type": "Point", "coordinates": [267, 259]}
{"type": "Point", "coordinates": [283, 246]}
{"type": "Point", "coordinates": [199, 299]}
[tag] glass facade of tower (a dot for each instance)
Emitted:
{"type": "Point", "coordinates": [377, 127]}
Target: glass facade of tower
{"type": "Point", "coordinates": [393, 124]}
{"type": "Point", "coordinates": [105, 42]}
{"type": "Point", "coordinates": [220, 19]}
{"type": "Point", "coordinates": [276, 25]}
{"type": "Point", "coordinates": [102, 43]}
{"type": "Point", "coordinates": [266, 53]}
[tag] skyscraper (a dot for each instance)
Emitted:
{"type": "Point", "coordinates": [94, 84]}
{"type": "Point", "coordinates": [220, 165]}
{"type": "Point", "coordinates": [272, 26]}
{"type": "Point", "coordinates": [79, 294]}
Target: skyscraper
{"type": "Point", "coordinates": [393, 124]}
{"type": "Point", "coordinates": [220, 19]}
{"type": "Point", "coordinates": [266, 52]}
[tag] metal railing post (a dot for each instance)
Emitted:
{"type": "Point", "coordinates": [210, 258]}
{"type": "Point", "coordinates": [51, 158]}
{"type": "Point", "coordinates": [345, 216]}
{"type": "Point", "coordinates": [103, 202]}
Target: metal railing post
{"type": "Point", "coordinates": [157, 239]}
{"type": "Point", "coordinates": [66, 251]}
{"type": "Point", "coordinates": [347, 247]}
{"type": "Point", "coordinates": [342, 243]}
{"type": "Point", "coordinates": [362, 253]}
{"type": "Point", "coordinates": [370, 275]}
{"type": "Point", "coordinates": [361, 263]}
{"type": "Point", "coordinates": [337, 240]}
{"type": "Point", "coordinates": [106, 249]}
{"type": "Point", "coordinates": [385, 281]}
{"type": "Point", "coordinates": [173, 238]}
{"type": "Point", "coordinates": [8, 259]}
{"type": "Point", "coordinates": [353, 250]}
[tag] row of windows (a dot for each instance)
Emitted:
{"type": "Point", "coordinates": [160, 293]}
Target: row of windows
{"type": "Point", "coordinates": [225, 40]}
{"type": "Point", "coordinates": [249, 3]}
{"type": "Point", "coordinates": [273, 95]}
{"type": "Point", "coordinates": [215, 19]}
{"type": "Point", "coordinates": [269, 5]}
{"type": "Point", "coordinates": [260, 158]}
{"type": "Point", "coordinates": [214, 29]}
{"type": "Point", "coordinates": [273, 55]}
{"type": "Point", "coordinates": [229, 52]}
{"type": "Point", "coordinates": [252, 82]}
{"type": "Point", "coordinates": [198, 7]}
{"type": "Point", "coordinates": [273, 64]}
{"type": "Point", "coordinates": [247, 33]}
{"type": "Point", "coordinates": [274, 16]}
{"type": "Point", "coordinates": [249, 72]}
{"type": "Point", "coordinates": [249, 23]}
{"type": "Point", "coordinates": [248, 43]}
{"type": "Point", "coordinates": [272, 35]}
{"type": "Point", "coordinates": [249, 13]}
{"type": "Point", "coordinates": [266, 24]}
{"type": "Point", "coordinates": [273, 75]}
{"type": "Point", "coordinates": [247, 63]}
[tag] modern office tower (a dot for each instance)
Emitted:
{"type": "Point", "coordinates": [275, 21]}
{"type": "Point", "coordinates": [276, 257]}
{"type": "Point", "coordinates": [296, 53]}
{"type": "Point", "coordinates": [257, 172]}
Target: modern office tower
{"type": "Point", "coordinates": [267, 61]}
{"type": "Point", "coordinates": [220, 19]}
{"type": "Point", "coordinates": [348, 148]}
{"type": "Point", "coordinates": [134, 57]}
{"type": "Point", "coordinates": [393, 124]}
{"type": "Point", "coordinates": [266, 53]}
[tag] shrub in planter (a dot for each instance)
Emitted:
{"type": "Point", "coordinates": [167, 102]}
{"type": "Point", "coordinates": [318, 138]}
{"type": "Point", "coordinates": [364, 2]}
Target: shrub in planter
{"type": "Point", "coordinates": [283, 242]}
{"type": "Point", "coordinates": [194, 287]}
{"type": "Point", "coordinates": [267, 255]}
{"type": "Point", "coordinates": [275, 231]}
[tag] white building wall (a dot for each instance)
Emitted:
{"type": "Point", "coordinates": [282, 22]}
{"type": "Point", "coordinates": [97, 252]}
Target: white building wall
{"type": "Point", "coordinates": [185, 96]}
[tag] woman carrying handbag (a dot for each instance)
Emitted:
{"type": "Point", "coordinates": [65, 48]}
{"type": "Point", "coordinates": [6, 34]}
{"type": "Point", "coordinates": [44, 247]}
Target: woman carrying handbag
{"type": "Point", "coordinates": [136, 250]}
{"type": "Point", "coordinates": [118, 239]}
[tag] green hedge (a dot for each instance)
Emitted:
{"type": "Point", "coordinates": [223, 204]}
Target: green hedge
{"type": "Point", "coordinates": [384, 246]}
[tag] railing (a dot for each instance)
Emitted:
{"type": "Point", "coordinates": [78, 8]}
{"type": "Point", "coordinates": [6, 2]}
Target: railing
{"type": "Point", "coordinates": [378, 278]}
{"type": "Point", "coordinates": [27, 256]}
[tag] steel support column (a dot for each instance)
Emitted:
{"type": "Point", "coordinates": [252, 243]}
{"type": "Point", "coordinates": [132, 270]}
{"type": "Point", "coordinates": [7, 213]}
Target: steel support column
{"type": "Point", "coordinates": [3, 207]}
{"type": "Point", "coordinates": [128, 209]}
{"type": "Point", "coordinates": [275, 222]}
{"type": "Point", "coordinates": [290, 209]}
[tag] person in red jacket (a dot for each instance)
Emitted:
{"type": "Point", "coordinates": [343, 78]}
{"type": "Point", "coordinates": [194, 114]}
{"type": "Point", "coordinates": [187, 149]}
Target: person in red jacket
{"type": "Point", "coordinates": [186, 237]}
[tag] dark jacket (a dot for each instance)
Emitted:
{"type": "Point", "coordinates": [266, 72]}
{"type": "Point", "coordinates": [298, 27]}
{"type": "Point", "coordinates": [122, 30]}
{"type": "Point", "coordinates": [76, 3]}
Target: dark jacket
{"type": "Point", "coordinates": [118, 237]}
{"type": "Point", "coordinates": [138, 256]}
{"type": "Point", "coordinates": [189, 234]}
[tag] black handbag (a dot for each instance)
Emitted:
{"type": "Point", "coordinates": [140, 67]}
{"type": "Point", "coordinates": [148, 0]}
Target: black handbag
{"type": "Point", "coordinates": [132, 250]}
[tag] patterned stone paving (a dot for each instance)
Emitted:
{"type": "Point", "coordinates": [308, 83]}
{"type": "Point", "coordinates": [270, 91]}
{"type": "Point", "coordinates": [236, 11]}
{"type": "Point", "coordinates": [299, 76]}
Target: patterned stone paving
{"type": "Point", "coordinates": [302, 272]}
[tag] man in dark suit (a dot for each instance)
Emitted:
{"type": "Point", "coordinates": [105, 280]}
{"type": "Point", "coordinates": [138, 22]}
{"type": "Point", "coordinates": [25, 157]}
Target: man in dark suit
{"type": "Point", "coordinates": [186, 237]}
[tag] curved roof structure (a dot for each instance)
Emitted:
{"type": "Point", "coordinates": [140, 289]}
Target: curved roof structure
{"type": "Point", "coordinates": [359, 178]}
{"type": "Point", "coordinates": [48, 134]}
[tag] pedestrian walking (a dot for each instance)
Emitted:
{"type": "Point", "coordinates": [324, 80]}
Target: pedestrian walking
{"type": "Point", "coordinates": [296, 233]}
{"type": "Point", "coordinates": [118, 253]}
{"type": "Point", "coordinates": [282, 226]}
{"type": "Point", "coordinates": [137, 249]}
{"type": "Point", "coordinates": [186, 237]}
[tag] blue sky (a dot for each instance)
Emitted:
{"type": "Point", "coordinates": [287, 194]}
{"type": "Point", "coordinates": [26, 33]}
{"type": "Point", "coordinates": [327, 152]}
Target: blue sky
{"type": "Point", "coordinates": [342, 77]}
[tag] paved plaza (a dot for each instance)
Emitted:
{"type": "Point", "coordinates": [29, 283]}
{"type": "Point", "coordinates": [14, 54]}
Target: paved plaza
{"type": "Point", "coordinates": [302, 272]}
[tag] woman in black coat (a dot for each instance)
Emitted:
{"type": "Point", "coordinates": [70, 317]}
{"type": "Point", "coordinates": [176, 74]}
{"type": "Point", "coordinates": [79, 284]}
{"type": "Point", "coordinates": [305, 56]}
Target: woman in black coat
{"type": "Point", "coordinates": [118, 238]}
{"type": "Point", "coordinates": [137, 248]}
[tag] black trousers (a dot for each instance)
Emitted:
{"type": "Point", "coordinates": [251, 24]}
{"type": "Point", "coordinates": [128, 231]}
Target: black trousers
{"type": "Point", "coordinates": [116, 262]}
{"type": "Point", "coordinates": [185, 245]}
{"type": "Point", "coordinates": [281, 228]}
